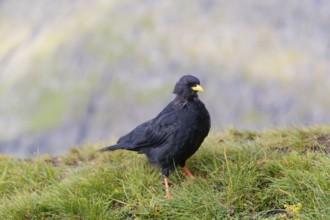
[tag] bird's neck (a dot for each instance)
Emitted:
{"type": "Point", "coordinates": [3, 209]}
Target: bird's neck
{"type": "Point", "coordinates": [182, 100]}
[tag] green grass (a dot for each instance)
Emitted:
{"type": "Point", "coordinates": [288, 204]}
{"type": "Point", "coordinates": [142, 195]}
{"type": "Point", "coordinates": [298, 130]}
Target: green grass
{"type": "Point", "coordinates": [276, 174]}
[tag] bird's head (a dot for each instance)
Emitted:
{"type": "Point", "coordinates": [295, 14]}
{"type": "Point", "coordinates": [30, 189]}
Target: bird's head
{"type": "Point", "coordinates": [187, 87]}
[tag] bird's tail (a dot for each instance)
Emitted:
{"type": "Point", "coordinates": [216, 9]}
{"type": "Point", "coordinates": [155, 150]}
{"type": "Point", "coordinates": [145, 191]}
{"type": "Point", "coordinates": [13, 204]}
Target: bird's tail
{"type": "Point", "coordinates": [111, 148]}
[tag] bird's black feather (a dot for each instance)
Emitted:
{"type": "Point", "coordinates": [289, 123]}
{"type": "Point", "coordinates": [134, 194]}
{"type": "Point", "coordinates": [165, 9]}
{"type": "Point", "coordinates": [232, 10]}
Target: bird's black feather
{"type": "Point", "coordinates": [175, 133]}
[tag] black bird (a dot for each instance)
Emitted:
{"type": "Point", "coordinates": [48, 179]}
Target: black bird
{"type": "Point", "coordinates": [175, 134]}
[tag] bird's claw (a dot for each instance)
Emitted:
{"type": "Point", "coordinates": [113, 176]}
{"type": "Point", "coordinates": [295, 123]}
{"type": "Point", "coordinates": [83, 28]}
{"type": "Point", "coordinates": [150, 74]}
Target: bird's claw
{"type": "Point", "coordinates": [169, 196]}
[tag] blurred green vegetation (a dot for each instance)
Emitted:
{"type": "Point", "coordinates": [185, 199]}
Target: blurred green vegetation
{"type": "Point", "coordinates": [79, 72]}
{"type": "Point", "coordinates": [48, 113]}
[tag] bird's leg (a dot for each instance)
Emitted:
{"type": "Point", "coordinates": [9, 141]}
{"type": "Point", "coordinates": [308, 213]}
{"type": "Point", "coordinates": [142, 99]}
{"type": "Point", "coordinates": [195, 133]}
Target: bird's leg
{"type": "Point", "coordinates": [167, 188]}
{"type": "Point", "coordinates": [185, 169]}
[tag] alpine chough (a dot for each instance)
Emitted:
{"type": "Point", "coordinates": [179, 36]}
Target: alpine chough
{"type": "Point", "coordinates": [175, 134]}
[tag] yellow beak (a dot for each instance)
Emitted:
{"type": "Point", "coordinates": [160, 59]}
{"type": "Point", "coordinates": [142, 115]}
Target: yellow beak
{"type": "Point", "coordinates": [198, 88]}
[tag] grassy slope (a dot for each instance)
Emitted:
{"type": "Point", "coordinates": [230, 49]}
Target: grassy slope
{"type": "Point", "coordinates": [240, 175]}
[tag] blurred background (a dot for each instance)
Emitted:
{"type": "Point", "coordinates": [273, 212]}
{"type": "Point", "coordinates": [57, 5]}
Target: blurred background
{"type": "Point", "coordinates": [80, 72]}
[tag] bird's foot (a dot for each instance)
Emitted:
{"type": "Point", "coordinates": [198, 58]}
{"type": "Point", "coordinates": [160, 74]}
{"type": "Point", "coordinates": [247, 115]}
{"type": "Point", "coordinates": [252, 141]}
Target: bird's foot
{"type": "Point", "coordinates": [192, 177]}
{"type": "Point", "coordinates": [167, 188]}
{"type": "Point", "coordinates": [169, 196]}
{"type": "Point", "coordinates": [185, 169]}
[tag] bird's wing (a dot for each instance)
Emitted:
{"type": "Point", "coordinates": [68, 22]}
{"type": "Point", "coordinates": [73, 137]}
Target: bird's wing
{"type": "Point", "coordinates": [158, 131]}
{"type": "Point", "coordinates": [151, 133]}
{"type": "Point", "coordinates": [135, 134]}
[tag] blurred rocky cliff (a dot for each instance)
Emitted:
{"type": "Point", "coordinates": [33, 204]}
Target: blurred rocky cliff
{"type": "Point", "coordinates": [77, 72]}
